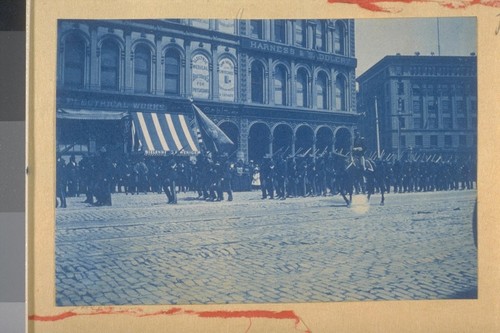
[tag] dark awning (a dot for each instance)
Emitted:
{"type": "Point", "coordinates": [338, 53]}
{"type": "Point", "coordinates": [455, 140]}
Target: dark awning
{"type": "Point", "coordinates": [163, 133]}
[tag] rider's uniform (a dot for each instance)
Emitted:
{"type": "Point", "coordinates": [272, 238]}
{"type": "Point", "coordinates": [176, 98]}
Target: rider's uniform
{"type": "Point", "coordinates": [359, 148]}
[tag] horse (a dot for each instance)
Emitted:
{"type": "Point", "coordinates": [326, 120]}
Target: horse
{"type": "Point", "coordinates": [349, 173]}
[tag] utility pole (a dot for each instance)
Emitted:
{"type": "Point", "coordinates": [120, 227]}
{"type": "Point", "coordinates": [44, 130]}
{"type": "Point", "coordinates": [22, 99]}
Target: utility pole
{"type": "Point", "coordinates": [400, 116]}
{"type": "Point", "coordinates": [377, 128]}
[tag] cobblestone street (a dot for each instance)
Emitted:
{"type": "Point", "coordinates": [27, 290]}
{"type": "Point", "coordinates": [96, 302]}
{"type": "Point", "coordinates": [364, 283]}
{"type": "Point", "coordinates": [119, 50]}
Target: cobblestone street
{"type": "Point", "coordinates": [143, 251]}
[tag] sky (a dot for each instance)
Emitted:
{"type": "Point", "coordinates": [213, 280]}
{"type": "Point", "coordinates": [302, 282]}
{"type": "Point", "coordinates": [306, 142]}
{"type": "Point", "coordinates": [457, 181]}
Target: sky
{"type": "Point", "coordinates": [376, 38]}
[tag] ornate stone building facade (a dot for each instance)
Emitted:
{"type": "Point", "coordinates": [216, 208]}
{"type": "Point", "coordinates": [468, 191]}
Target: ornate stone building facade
{"type": "Point", "coordinates": [428, 102]}
{"type": "Point", "coordinates": [268, 84]}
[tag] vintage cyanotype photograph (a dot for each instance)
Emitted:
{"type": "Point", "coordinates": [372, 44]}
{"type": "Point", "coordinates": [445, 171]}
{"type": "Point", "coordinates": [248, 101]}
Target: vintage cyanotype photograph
{"type": "Point", "coordinates": [230, 161]}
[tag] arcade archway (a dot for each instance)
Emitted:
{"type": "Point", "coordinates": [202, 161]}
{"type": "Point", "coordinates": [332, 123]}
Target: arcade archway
{"type": "Point", "coordinates": [304, 139]}
{"type": "Point", "coordinates": [324, 140]}
{"type": "Point", "coordinates": [343, 140]}
{"type": "Point", "coordinates": [232, 132]}
{"type": "Point", "coordinates": [258, 142]}
{"type": "Point", "coordinates": [282, 138]}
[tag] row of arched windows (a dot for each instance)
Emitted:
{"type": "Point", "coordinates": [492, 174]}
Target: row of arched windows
{"type": "Point", "coordinates": [111, 67]}
{"type": "Point", "coordinates": [308, 93]}
{"type": "Point", "coordinates": [315, 34]}
{"type": "Point", "coordinates": [304, 92]}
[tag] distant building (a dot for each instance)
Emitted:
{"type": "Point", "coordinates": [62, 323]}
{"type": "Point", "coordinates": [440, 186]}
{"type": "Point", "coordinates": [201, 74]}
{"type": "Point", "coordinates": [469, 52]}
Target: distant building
{"type": "Point", "coordinates": [269, 84]}
{"type": "Point", "coordinates": [429, 103]}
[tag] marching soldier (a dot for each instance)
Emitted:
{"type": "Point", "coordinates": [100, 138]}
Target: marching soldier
{"type": "Point", "coordinates": [281, 176]}
{"type": "Point", "coordinates": [170, 177]}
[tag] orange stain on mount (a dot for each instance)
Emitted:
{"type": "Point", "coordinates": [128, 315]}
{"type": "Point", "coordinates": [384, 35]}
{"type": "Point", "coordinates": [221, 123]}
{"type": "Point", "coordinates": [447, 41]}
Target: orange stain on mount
{"type": "Point", "coordinates": [387, 5]}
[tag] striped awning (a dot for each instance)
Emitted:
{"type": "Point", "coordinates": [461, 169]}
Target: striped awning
{"type": "Point", "coordinates": [164, 133]}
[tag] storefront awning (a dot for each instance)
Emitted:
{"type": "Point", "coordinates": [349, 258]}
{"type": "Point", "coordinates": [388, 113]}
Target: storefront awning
{"type": "Point", "coordinates": [164, 133]}
{"type": "Point", "coordinates": [89, 114]}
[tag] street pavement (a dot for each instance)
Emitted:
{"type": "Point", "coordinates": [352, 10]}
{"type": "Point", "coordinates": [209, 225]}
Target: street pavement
{"type": "Point", "coordinates": [418, 246]}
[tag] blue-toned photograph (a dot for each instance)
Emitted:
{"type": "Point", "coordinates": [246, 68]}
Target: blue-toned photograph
{"type": "Point", "coordinates": [230, 161]}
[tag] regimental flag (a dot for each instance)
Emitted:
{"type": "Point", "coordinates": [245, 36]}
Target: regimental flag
{"type": "Point", "coordinates": [213, 138]}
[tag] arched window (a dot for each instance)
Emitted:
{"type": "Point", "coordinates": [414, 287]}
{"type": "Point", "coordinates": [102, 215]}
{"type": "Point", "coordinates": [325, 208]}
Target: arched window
{"type": "Point", "coordinates": [142, 69]}
{"type": "Point", "coordinates": [321, 91]}
{"type": "Point", "coordinates": [257, 77]}
{"type": "Point", "coordinates": [280, 31]}
{"type": "Point", "coordinates": [172, 72]}
{"type": "Point", "coordinates": [280, 85]}
{"type": "Point", "coordinates": [340, 94]}
{"type": "Point", "coordinates": [256, 30]}
{"type": "Point", "coordinates": [302, 90]}
{"type": "Point", "coordinates": [339, 38]}
{"type": "Point", "coordinates": [74, 61]}
{"type": "Point", "coordinates": [300, 33]}
{"type": "Point", "coordinates": [320, 36]}
{"type": "Point", "coordinates": [109, 65]}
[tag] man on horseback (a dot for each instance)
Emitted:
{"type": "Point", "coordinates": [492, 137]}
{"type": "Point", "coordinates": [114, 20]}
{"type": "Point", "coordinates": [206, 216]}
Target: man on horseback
{"type": "Point", "coordinates": [358, 149]}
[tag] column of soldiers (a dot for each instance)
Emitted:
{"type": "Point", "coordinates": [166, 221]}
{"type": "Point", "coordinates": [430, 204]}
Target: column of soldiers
{"type": "Point", "coordinates": [99, 176]}
{"type": "Point", "coordinates": [211, 177]}
{"type": "Point", "coordinates": [284, 177]}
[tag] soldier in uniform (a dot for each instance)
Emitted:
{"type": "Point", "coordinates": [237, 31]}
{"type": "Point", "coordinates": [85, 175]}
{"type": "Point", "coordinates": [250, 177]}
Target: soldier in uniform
{"type": "Point", "coordinates": [103, 179]}
{"type": "Point", "coordinates": [292, 177]}
{"type": "Point", "coordinates": [72, 175]}
{"type": "Point", "coordinates": [267, 177]}
{"type": "Point", "coordinates": [227, 180]}
{"type": "Point", "coordinates": [359, 148]}
{"type": "Point", "coordinates": [61, 182]}
{"type": "Point", "coordinates": [302, 173]}
{"type": "Point", "coordinates": [281, 176]}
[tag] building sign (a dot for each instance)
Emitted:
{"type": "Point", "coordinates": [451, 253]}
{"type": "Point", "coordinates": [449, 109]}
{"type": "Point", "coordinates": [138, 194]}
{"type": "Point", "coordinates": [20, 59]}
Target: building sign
{"type": "Point", "coordinates": [226, 26]}
{"type": "Point", "coordinates": [298, 52]}
{"type": "Point", "coordinates": [200, 77]}
{"type": "Point", "coordinates": [108, 104]}
{"type": "Point", "coordinates": [226, 80]}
